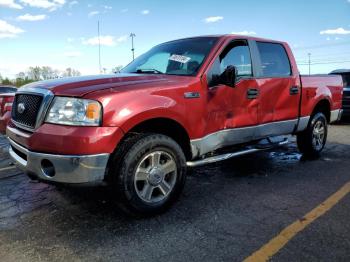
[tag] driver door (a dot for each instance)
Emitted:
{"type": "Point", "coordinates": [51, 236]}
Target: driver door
{"type": "Point", "coordinates": [232, 112]}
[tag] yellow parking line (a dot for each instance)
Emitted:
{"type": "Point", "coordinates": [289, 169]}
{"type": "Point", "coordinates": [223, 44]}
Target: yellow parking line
{"type": "Point", "coordinates": [278, 242]}
{"type": "Point", "coordinates": [7, 168]}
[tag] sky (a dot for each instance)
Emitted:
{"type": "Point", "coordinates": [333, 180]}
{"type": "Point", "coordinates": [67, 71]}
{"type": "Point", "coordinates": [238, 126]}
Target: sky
{"type": "Point", "coordinates": [63, 33]}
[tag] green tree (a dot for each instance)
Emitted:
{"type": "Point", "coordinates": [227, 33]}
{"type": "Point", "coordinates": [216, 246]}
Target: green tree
{"type": "Point", "coordinates": [6, 81]}
{"type": "Point", "coordinates": [34, 73]}
{"type": "Point", "coordinates": [69, 72]}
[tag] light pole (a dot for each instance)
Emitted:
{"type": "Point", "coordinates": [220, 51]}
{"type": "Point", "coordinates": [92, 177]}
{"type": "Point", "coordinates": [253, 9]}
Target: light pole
{"type": "Point", "coordinates": [99, 46]}
{"type": "Point", "coordinates": [132, 35]}
{"type": "Point", "coordinates": [309, 54]}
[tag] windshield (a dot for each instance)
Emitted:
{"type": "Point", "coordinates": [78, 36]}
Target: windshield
{"type": "Point", "coordinates": [181, 57]}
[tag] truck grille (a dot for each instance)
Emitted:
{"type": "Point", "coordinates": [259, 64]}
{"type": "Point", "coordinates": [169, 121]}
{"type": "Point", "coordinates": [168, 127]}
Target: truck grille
{"type": "Point", "coordinates": [25, 109]}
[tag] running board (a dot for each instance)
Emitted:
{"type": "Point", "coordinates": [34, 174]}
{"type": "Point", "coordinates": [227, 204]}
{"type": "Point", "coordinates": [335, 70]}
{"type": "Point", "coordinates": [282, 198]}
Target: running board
{"type": "Point", "coordinates": [226, 156]}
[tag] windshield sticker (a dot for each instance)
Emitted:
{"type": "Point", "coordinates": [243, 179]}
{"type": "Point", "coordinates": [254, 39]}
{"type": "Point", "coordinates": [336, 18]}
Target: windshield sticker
{"type": "Point", "coordinates": [180, 58]}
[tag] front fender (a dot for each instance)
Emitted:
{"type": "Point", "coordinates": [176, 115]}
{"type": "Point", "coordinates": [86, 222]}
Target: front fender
{"type": "Point", "coordinates": [125, 111]}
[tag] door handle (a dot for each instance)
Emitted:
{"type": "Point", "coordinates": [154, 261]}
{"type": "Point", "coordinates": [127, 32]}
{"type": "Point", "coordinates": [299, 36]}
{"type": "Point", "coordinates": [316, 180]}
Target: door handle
{"type": "Point", "coordinates": [294, 90]}
{"type": "Point", "coordinates": [252, 93]}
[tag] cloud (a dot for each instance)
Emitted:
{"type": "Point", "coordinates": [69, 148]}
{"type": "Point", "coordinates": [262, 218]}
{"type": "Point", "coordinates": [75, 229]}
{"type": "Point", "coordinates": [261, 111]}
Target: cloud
{"type": "Point", "coordinates": [93, 13]}
{"type": "Point", "coordinates": [338, 31]}
{"type": "Point", "coordinates": [29, 17]}
{"type": "Point", "coordinates": [9, 31]}
{"type": "Point", "coordinates": [106, 40]}
{"type": "Point", "coordinates": [72, 54]}
{"type": "Point", "coordinates": [10, 4]}
{"type": "Point", "coordinates": [122, 39]}
{"type": "Point", "coordinates": [145, 12]}
{"type": "Point", "coordinates": [245, 32]}
{"type": "Point", "coordinates": [107, 7]}
{"type": "Point", "coordinates": [51, 5]}
{"type": "Point", "coordinates": [73, 3]}
{"type": "Point", "coordinates": [213, 19]}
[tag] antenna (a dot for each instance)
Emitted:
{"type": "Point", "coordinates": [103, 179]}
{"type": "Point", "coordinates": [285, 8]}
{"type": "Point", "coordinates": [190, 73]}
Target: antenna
{"type": "Point", "coordinates": [99, 46]}
{"type": "Point", "coordinates": [132, 35]}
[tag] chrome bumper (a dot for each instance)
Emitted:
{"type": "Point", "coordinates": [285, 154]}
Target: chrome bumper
{"type": "Point", "coordinates": [336, 115]}
{"type": "Point", "coordinates": [72, 169]}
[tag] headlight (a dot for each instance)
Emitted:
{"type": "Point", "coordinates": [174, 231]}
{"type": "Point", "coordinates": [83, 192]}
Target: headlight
{"type": "Point", "coordinates": [75, 112]}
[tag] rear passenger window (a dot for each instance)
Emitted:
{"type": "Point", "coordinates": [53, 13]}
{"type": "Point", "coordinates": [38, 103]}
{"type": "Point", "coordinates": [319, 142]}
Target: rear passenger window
{"type": "Point", "coordinates": [274, 60]}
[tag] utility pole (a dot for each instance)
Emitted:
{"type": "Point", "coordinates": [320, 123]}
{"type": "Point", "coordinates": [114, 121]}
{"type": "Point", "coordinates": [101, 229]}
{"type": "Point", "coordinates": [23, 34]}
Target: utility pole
{"type": "Point", "coordinates": [132, 35]}
{"type": "Point", "coordinates": [99, 47]}
{"type": "Point", "coordinates": [309, 54]}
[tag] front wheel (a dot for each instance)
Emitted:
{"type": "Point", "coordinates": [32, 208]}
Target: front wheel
{"type": "Point", "coordinates": [148, 172]}
{"type": "Point", "coordinates": [312, 141]}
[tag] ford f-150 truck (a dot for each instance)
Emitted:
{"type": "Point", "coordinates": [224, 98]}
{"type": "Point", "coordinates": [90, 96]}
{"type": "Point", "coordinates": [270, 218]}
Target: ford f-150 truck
{"type": "Point", "coordinates": [182, 104]}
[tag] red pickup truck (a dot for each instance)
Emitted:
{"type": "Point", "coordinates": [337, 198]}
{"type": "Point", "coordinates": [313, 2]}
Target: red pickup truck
{"type": "Point", "coordinates": [182, 104]}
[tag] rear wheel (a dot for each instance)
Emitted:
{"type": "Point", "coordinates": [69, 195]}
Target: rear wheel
{"type": "Point", "coordinates": [312, 141]}
{"type": "Point", "coordinates": [148, 172]}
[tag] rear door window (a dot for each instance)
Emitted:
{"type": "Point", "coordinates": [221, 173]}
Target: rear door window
{"type": "Point", "coordinates": [274, 60]}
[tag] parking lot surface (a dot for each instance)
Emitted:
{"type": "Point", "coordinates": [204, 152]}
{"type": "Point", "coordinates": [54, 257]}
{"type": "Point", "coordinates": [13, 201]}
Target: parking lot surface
{"type": "Point", "coordinates": [228, 211]}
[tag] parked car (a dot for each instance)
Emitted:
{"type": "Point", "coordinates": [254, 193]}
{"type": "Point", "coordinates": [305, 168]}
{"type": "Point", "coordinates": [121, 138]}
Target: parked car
{"type": "Point", "coordinates": [182, 104]}
{"type": "Point", "coordinates": [345, 73]}
{"type": "Point", "coordinates": [7, 95]}
{"type": "Point", "coordinates": [5, 89]}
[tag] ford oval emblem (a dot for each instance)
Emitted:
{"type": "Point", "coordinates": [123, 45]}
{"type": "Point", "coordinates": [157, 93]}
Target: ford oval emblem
{"type": "Point", "coordinates": [21, 108]}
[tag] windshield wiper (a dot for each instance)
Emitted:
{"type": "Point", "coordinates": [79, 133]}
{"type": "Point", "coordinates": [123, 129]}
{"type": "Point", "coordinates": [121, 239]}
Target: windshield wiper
{"type": "Point", "coordinates": [147, 71]}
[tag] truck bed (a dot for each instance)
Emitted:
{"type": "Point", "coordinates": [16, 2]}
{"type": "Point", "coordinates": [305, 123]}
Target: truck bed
{"type": "Point", "coordinates": [317, 87]}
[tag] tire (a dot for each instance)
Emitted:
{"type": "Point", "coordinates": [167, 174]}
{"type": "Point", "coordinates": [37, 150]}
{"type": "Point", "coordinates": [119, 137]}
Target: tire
{"type": "Point", "coordinates": [147, 174]}
{"type": "Point", "coordinates": [312, 141]}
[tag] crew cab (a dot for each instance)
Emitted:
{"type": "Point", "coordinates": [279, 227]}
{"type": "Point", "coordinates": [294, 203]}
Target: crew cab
{"type": "Point", "coordinates": [184, 103]}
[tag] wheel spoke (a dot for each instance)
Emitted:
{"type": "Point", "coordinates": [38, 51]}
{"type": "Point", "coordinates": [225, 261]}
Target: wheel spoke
{"type": "Point", "coordinates": [168, 167]}
{"type": "Point", "coordinates": [147, 191]}
{"type": "Point", "coordinates": [155, 159]}
{"type": "Point", "coordinates": [320, 141]}
{"type": "Point", "coordinates": [164, 187]}
{"type": "Point", "coordinates": [141, 174]}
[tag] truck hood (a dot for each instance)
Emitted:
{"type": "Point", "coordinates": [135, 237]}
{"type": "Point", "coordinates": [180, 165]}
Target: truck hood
{"type": "Point", "coordinates": [81, 86]}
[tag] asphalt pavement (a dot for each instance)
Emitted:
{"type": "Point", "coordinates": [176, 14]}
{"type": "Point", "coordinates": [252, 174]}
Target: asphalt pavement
{"type": "Point", "coordinates": [228, 211]}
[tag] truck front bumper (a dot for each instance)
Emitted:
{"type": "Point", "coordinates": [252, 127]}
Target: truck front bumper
{"type": "Point", "coordinates": [71, 169]}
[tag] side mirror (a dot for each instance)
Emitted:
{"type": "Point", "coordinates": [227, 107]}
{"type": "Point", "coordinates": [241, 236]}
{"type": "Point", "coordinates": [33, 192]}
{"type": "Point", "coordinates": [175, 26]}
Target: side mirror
{"type": "Point", "coordinates": [228, 77]}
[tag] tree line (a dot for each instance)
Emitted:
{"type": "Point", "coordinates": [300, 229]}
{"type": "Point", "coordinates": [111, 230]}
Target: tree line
{"type": "Point", "coordinates": [38, 73]}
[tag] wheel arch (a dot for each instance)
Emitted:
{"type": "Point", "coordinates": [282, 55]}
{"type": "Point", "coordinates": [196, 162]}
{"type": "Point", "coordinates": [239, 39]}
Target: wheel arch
{"type": "Point", "coordinates": [323, 106]}
{"type": "Point", "coordinates": [165, 126]}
